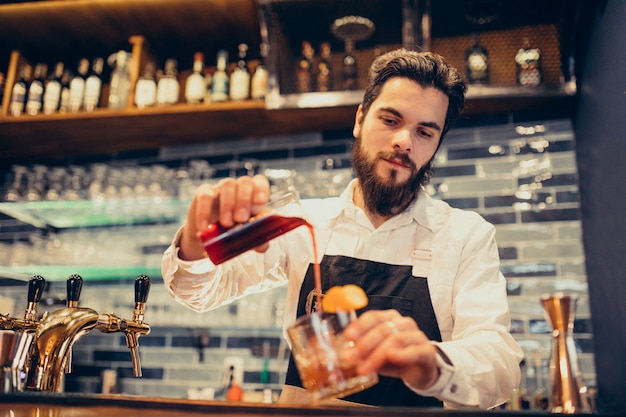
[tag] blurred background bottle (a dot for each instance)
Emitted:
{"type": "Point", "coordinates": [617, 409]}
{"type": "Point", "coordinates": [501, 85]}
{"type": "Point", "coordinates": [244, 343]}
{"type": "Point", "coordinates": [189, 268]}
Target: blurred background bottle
{"type": "Point", "coordinates": [528, 62]}
{"type": "Point", "coordinates": [219, 85]}
{"type": "Point", "coordinates": [77, 86]}
{"type": "Point", "coordinates": [120, 80]}
{"type": "Point", "coordinates": [304, 69]}
{"type": "Point", "coordinates": [93, 85]}
{"type": "Point", "coordinates": [168, 87]}
{"type": "Point", "coordinates": [52, 94]}
{"type": "Point", "coordinates": [258, 87]}
{"type": "Point", "coordinates": [19, 91]}
{"type": "Point", "coordinates": [195, 84]}
{"type": "Point", "coordinates": [477, 63]}
{"type": "Point", "coordinates": [146, 88]}
{"type": "Point", "coordinates": [34, 99]}
{"type": "Point", "coordinates": [240, 77]}
{"type": "Point", "coordinates": [324, 70]}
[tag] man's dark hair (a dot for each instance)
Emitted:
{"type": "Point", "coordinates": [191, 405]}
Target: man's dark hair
{"type": "Point", "coordinates": [428, 69]}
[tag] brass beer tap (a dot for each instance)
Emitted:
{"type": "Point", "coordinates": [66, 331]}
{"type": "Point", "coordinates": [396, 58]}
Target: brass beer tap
{"type": "Point", "coordinates": [36, 286]}
{"type": "Point", "coordinates": [50, 355]}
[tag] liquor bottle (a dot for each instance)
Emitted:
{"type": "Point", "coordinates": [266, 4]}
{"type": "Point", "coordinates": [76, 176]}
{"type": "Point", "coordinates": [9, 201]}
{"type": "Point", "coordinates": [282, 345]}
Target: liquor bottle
{"type": "Point", "coordinates": [350, 69]}
{"type": "Point", "coordinates": [477, 63]}
{"type": "Point", "coordinates": [528, 62]}
{"type": "Point", "coordinates": [19, 91]}
{"type": "Point", "coordinates": [77, 86]}
{"type": "Point", "coordinates": [219, 85]}
{"type": "Point", "coordinates": [195, 85]}
{"type": "Point", "coordinates": [52, 94]}
{"type": "Point", "coordinates": [304, 69]}
{"type": "Point", "coordinates": [240, 77]}
{"type": "Point", "coordinates": [65, 91]}
{"type": "Point", "coordinates": [146, 88]}
{"type": "Point", "coordinates": [34, 99]}
{"type": "Point", "coordinates": [259, 83]}
{"type": "Point", "coordinates": [168, 87]}
{"type": "Point", "coordinates": [93, 85]}
{"type": "Point", "coordinates": [324, 69]}
{"type": "Point", "coordinates": [208, 83]}
{"type": "Point", "coordinates": [120, 81]}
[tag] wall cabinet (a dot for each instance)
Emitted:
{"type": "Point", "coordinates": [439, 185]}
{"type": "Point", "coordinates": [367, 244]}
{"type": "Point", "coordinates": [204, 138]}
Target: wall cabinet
{"type": "Point", "coordinates": [67, 30]}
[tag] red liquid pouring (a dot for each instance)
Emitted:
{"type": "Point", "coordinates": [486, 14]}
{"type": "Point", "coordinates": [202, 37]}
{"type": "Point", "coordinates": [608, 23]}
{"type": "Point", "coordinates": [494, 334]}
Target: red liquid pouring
{"type": "Point", "coordinates": [223, 244]}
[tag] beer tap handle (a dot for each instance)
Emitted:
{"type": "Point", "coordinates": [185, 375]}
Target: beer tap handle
{"type": "Point", "coordinates": [74, 287]}
{"type": "Point", "coordinates": [137, 328]}
{"type": "Point", "coordinates": [142, 289]}
{"type": "Point", "coordinates": [36, 285]}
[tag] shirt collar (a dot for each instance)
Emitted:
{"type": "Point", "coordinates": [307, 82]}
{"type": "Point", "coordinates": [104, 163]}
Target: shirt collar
{"type": "Point", "coordinates": [422, 210]}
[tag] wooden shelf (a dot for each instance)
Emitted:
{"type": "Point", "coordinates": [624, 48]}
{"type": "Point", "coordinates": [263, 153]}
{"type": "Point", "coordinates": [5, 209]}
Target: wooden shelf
{"type": "Point", "coordinates": [107, 131]}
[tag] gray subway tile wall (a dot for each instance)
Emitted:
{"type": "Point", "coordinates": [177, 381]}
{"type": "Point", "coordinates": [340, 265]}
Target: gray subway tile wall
{"type": "Point", "coordinates": [522, 177]}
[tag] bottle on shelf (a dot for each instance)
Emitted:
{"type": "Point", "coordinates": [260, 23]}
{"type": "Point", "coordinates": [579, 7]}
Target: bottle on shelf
{"type": "Point", "coordinates": [219, 85]}
{"type": "Point", "coordinates": [93, 85]}
{"type": "Point", "coordinates": [120, 80]}
{"type": "Point", "coordinates": [168, 87]}
{"type": "Point", "coordinates": [477, 63]}
{"type": "Point", "coordinates": [208, 82]}
{"type": "Point", "coordinates": [259, 83]}
{"type": "Point", "coordinates": [77, 86]}
{"type": "Point", "coordinates": [324, 69]}
{"type": "Point", "coordinates": [304, 69]}
{"type": "Point", "coordinates": [350, 69]}
{"type": "Point", "coordinates": [65, 91]}
{"type": "Point", "coordinates": [195, 85]}
{"type": "Point", "coordinates": [146, 88]}
{"type": "Point", "coordinates": [52, 94]}
{"type": "Point", "coordinates": [34, 99]}
{"type": "Point", "coordinates": [19, 91]}
{"type": "Point", "coordinates": [528, 62]}
{"type": "Point", "coordinates": [240, 77]}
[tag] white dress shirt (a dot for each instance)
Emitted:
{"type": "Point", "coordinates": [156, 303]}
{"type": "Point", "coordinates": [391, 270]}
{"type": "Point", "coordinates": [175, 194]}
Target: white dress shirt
{"type": "Point", "coordinates": [454, 249]}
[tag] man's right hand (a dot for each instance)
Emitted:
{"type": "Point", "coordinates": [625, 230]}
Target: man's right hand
{"type": "Point", "coordinates": [232, 201]}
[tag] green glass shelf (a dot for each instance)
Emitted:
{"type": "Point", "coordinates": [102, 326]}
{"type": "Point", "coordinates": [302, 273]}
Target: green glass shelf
{"type": "Point", "coordinates": [59, 273]}
{"type": "Point", "coordinates": [74, 214]}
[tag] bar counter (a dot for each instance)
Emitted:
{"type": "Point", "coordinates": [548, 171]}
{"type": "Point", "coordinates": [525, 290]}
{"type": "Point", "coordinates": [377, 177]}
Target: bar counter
{"type": "Point", "coordinates": [100, 405]}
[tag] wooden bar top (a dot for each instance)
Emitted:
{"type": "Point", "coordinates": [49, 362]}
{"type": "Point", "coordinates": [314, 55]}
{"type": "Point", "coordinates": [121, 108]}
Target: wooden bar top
{"type": "Point", "coordinates": [100, 405]}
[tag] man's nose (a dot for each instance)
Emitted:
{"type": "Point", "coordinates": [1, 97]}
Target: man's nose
{"type": "Point", "coordinates": [402, 141]}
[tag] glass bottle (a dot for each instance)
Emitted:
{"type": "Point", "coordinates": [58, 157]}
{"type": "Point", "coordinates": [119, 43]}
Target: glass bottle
{"type": "Point", "coordinates": [168, 87]}
{"type": "Point", "coordinates": [350, 69]}
{"type": "Point", "coordinates": [304, 69]}
{"type": "Point", "coordinates": [146, 88]}
{"type": "Point", "coordinates": [195, 85]}
{"type": "Point", "coordinates": [19, 91]}
{"type": "Point", "coordinates": [477, 63]}
{"type": "Point", "coordinates": [259, 83]}
{"type": "Point", "coordinates": [120, 81]}
{"type": "Point", "coordinates": [34, 100]}
{"type": "Point", "coordinates": [324, 69]}
{"type": "Point", "coordinates": [77, 86]}
{"type": "Point", "coordinates": [52, 94]}
{"type": "Point", "coordinates": [282, 214]}
{"type": "Point", "coordinates": [528, 62]}
{"type": "Point", "coordinates": [65, 91]}
{"type": "Point", "coordinates": [93, 85]}
{"type": "Point", "coordinates": [219, 86]}
{"type": "Point", "coordinates": [240, 77]}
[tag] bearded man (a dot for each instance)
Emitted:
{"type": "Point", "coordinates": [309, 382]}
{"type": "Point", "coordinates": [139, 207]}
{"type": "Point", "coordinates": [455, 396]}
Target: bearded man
{"type": "Point", "coordinates": [436, 328]}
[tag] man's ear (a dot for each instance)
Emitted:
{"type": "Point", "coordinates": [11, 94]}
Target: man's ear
{"type": "Point", "coordinates": [356, 131]}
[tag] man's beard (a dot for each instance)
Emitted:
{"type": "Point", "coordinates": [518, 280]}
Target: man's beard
{"type": "Point", "coordinates": [388, 197]}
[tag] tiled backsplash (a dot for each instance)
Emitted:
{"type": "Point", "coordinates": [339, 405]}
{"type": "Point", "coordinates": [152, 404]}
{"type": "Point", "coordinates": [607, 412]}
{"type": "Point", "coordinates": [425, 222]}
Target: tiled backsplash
{"type": "Point", "coordinates": [521, 177]}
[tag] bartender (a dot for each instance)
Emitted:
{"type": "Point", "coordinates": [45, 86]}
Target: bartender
{"type": "Point", "coordinates": [436, 329]}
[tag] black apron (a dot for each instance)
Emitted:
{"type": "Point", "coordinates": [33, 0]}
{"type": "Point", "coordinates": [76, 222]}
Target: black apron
{"type": "Point", "coordinates": [387, 287]}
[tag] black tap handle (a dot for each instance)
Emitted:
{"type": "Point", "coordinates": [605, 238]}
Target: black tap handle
{"type": "Point", "coordinates": [35, 288]}
{"type": "Point", "coordinates": [142, 288]}
{"type": "Point", "coordinates": [74, 287]}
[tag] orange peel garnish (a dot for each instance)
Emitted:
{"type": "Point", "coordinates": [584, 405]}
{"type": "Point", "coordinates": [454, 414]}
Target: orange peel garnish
{"type": "Point", "coordinates": [348, 297]}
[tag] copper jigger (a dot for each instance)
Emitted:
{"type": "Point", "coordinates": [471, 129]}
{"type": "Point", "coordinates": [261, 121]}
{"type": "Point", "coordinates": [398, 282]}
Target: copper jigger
{"type": "Point", "coordinates": [569, 394]}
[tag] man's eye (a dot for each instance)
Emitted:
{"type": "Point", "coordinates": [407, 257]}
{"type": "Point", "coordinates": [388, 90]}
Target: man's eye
{"type": "Point", "coordinates": [425, 133]}
{"type": "Point", "coordinates": [387, 120]}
